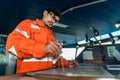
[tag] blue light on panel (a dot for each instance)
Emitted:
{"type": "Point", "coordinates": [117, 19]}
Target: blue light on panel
{"type": "Point", "coordinates": [116, 33]}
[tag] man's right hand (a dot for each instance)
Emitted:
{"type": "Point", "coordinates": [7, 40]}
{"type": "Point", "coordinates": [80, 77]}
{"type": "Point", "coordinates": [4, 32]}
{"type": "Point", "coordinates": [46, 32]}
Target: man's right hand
{"type": "Point", "coordinates": [53, 47]}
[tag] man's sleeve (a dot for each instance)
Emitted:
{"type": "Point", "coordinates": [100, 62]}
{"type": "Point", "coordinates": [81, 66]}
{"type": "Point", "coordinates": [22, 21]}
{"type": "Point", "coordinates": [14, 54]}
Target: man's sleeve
{"type": "Point", "coordinates": [20, 44]}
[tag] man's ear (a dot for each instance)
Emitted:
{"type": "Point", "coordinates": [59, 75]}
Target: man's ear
{"type": "Point", "coordinates": [45, 13]}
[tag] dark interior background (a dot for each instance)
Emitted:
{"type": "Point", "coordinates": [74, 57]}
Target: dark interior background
{"type": "Point", "coordinates": [79, 15]}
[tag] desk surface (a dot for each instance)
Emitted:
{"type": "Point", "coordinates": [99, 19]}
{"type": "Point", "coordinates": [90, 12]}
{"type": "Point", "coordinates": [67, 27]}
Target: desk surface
{"type": "Point", "coordinates": [79, 73]}
{"type": "Point", "coordinates": [49, 77]}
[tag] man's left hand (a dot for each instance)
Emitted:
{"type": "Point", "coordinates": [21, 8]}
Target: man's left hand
{"type": "Point", "coordinates": [73, 64]}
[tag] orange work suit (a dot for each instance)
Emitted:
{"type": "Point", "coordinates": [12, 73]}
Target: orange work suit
{"type": "Point", "coordinates": [27, 42]}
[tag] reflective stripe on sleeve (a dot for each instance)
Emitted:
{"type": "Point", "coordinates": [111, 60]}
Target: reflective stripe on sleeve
{"type": "Point", "coordinates": [56, 59]}
{"type": "Point", "coordinates": [24, 33]}
{"type": "Point", "coordinates": [41, 59]}
{"type": "Point", "coordinates": [38, 60]}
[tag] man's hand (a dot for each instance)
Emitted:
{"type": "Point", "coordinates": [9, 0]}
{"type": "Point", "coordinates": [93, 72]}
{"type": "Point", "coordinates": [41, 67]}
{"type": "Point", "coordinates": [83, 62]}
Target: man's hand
{"type": "Point", "coordinates": [73, 64]}
{"type": "Point", "coordinates": [54, 47]}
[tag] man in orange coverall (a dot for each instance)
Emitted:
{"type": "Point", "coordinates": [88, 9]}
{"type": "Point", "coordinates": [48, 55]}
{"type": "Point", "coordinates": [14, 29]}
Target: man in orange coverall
{"type": "Point", "coordinates": [34, 45]}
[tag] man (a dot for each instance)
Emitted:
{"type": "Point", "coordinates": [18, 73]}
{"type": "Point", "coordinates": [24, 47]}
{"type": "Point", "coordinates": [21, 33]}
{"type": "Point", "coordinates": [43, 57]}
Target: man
{"type": "Point", "coordinates": [34, 45]}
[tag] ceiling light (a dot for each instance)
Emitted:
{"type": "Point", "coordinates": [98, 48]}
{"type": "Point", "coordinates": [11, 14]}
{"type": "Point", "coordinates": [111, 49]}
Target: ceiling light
{"type": "Point", "coordinates": [117, 25]}
{"type": "Point", "coordinates": [61, 25]}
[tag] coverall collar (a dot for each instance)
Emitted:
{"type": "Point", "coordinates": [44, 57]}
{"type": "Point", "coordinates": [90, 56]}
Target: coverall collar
{"type": "Point", "coordinates": [39, 22]}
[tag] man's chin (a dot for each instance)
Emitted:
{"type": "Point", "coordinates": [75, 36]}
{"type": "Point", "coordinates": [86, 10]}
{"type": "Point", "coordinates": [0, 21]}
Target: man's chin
{"type": "Point", "coordinates": [48, 26]}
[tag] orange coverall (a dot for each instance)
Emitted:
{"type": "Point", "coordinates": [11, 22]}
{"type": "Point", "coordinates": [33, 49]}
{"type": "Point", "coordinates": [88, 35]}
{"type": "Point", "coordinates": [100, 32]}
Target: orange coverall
{"type": "Point", "coordinates": [27, 42]}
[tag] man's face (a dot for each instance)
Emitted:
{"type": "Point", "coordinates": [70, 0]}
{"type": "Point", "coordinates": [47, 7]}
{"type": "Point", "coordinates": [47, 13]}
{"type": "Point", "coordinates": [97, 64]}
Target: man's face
{"type": "Point", "coordinates": [50, 19]}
